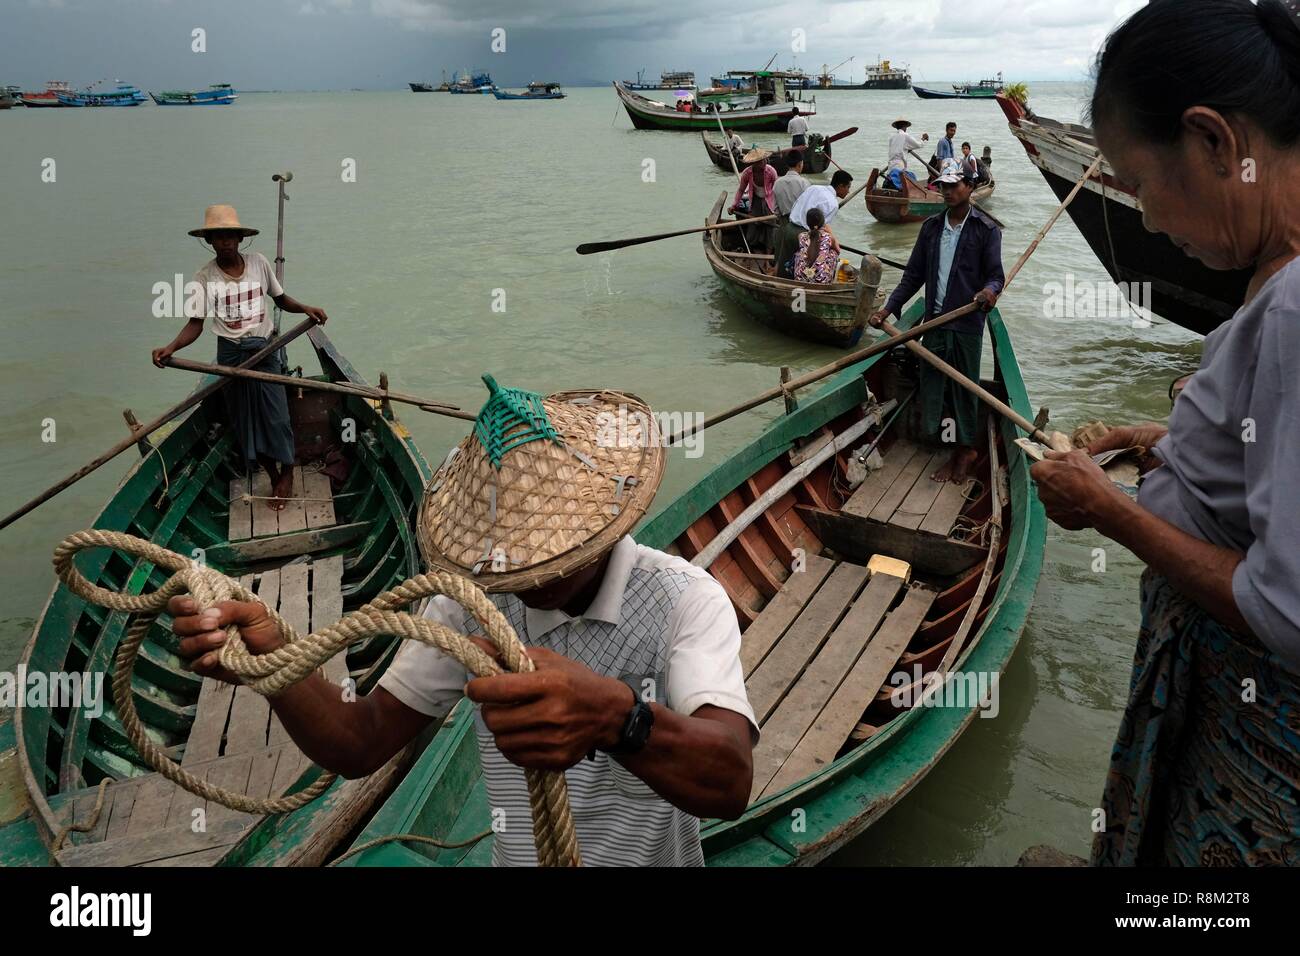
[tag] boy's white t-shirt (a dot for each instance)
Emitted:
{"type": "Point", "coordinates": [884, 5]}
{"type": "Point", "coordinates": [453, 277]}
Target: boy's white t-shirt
{"type": "Point", "coordinates": [237, 307]}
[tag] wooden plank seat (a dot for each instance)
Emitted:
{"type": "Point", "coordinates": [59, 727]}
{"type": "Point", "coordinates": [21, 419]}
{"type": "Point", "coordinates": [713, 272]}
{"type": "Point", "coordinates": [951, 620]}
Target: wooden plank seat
{"type": "Point", "coordinates": [815, 658]}
{"type": "Point", "coordinates": [903, 494]}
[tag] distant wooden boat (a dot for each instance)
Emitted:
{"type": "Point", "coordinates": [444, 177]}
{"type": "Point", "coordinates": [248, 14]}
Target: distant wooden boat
{"type": "Point", "coordinates": [917, 204]}
{"type": "Point", "coordinates": [834, 655]}
{"type": "Point", "coordinates": [7, 101]}
{"type": "Point", "coordinates": [983, 90]}
{"type": "Point", "coordinates": [668, 80]}
{"type": "Point", "coordinates": [535, 91]}
{"type": "Point", "coordinates": [346, 538]}
{"type": "Point", "coordinates": [816, 159]}
{"type": "Point", "coordinates": [218, 94]}
{"type": "Point", "coordinates": [1107, 212]}
{"type": "Point", "coordinates": [772, 115]}
{"type": "Point", "coordinates": [831, 314]}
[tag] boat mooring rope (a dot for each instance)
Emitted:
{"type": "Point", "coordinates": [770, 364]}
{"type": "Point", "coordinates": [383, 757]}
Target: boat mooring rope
{"type": "Point", "coordinates": [269, 674]}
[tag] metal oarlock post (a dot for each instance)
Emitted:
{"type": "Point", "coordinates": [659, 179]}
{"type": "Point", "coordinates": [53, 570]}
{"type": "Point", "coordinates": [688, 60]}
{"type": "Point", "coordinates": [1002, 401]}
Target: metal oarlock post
{"type": "Point", "coordinates": [281, 179]}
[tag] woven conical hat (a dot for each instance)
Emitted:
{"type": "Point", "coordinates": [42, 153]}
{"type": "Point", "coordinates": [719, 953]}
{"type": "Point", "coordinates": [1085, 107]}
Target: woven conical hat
{"type": "Point", "coordinates": [541, 487]}
{"type": "Point", "coordinates": [755, 154]}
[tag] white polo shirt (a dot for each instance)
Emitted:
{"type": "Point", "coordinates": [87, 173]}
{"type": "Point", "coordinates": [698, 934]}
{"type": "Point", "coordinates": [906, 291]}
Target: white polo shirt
{"type": "Point", "coordinates": [656, 618]}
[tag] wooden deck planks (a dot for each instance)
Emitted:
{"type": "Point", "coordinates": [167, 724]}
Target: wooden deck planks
{"type": "Point", "coordinates": [796, 713]}
{"type": "Point", "coordinates": [902, 486]}
{"type": "Point", "coordinates": [831, 729]}
{"type": "Point", "coordinates": [780, 612]}
{"type": "Point", "coordinates": [294, 515]}
{"type": "Point", "coordinates": [916, 504]}
{"type": "Point", "coordinates": [265, 521]}
{"type": "Point", "coordinates": [802, 640]}
{"type": "Point", "coordinates": [947, 506]}
{"type": "Point", "coordinates": [327, 608]}
{"type": "Point", "coordinates": [320, 514]}
{"type": "Point", "coordinates": [869, 493]}
{"type": "Point", "coordinates": [240, 524]}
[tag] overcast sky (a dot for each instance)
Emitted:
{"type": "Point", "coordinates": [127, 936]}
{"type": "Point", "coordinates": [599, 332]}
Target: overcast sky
{"type": "Point", "coordinates": [383, 44]}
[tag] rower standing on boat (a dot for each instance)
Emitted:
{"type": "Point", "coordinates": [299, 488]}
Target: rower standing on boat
{"type": "Point", "coordinates": [1205, 767]}
{"type": "Point", "coordinates": [798, 129]}
{"type": "Point", "coordinates": [754, 196]}
{"type": "Point", "coordinates": [230, 291]}
{"type": "Point", "coordinates": [899, 143]}
{"type": "Point", "coordinates": [638, 694]}
{"type": "Point", "coordinates": [957, 259]}
{"type": "Point", "coordinates": [786, 192]}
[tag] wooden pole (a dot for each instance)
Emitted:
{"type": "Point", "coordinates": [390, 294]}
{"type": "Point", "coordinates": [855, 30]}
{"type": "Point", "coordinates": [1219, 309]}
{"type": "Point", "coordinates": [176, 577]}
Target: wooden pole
{"type": "Point", "coordinates": [885, 344]}
{"type": "Point", "coordinates": [731, 155]}
{"type": "Point", "coordinates": [380, 394]}
{"type": "Point", "coordinates": [154, 425]}
{"type": "Point", "coordinates": [281, 179]}
{"type": "Point", "coordinates": [587, 248]}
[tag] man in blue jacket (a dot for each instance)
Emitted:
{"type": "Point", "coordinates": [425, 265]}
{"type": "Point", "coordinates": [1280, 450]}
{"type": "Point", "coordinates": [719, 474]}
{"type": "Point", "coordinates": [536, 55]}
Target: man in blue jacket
{"type": "Point", "coordinates": [957, 258]}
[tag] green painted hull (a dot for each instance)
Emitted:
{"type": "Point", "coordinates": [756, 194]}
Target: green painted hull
{"type": "Point", "coordinates": [49, 756]}
{"type": "Point", "coordinates": [648, 114]}
{"type": "Point", "coordinates": [443, 796]}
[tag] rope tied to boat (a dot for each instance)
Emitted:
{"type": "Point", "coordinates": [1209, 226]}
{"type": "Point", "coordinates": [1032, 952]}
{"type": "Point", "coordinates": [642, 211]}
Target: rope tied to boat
{"type": "Point", "coordinates": [301, 655]}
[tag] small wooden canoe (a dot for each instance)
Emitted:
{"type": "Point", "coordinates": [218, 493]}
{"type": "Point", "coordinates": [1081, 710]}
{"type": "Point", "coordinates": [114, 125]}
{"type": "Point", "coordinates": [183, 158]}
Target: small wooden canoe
{"type": "Point", "coordinates": [815, 159]}
{"type": "Point", "coordinates": [830, 649]}
{"type": "Point", "coordinates": [917, 204]}
{"type": "Point", "coordinates": [832, 314]}
{"type": "Point", "coordinates": [349, 538]}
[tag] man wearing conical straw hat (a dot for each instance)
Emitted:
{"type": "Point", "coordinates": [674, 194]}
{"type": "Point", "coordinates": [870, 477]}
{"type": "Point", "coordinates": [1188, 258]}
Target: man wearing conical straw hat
{"type": "Point", "coordinates": [230, 291]}
{"type": "Point", "coordinates": [638, 694]}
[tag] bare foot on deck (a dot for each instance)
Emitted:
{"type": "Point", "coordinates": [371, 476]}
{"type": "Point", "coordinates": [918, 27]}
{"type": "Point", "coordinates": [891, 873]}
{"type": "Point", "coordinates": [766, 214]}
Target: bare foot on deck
{"type": "Point", "coordinates": [957, 467]}
{"type": "Point", "coordinates": [281, 491]}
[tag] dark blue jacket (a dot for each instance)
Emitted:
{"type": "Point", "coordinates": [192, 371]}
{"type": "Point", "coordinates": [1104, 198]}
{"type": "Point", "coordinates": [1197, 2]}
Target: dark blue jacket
{"type": "Point", "coordinates": [976, 265]}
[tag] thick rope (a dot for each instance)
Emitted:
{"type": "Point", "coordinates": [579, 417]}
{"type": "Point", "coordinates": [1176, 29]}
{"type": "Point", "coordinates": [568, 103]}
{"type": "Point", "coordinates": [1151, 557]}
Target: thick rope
{"type": "Point", "coordinates": [269, 674]}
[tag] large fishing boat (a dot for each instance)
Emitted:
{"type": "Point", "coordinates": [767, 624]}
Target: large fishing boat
{"type": "Point", "coordinates": [772, 113]}
{"type": "Point", "coordinates": [49, 97]}
{"type": "Point", "coordinates": [473, 83]}
{"type": "Point", "coordinates": [345, 537]}
{"type": "Point", "coordinates": [535, 91]}
{"type": "Point", "coordinates": [1109, 215]}
{"type": "Point", "coordinates": [841, 645]}
{"type": "Point", "coordinates": [218, 94]}
{"type": "Point", "coordinates": [124, 94]}
{"type": "Point", "coordinates": [883, 76]}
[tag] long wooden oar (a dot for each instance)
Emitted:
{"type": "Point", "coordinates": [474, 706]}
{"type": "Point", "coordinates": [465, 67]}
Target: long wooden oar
{"type": "Point", "coordinates": [154, 425]}
{"type": "Point", "coordinates": [885, 344]}
{"type": "Point", "coordinates": [997, 222]}
{"type": "Point", "coordinates": [587, 248]}
{"type": "Point", "coordinates": [731, 155]}
{"type": "Point", "coordinates": [341, 388]}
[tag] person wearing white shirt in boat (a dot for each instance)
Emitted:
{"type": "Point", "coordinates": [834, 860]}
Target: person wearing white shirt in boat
{"type": "Point", "coordinates": [825, 198]}
{"type": "Point", "coordinates": [899, 143]}
{"type": "Point", "coordinates": [798, 129]}
{"type": "Point", "coordinates": [734, 141]}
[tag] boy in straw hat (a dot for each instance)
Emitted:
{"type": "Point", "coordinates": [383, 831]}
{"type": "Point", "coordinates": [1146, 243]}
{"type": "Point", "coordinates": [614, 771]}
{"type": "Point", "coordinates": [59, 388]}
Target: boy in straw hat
{"type": "Point", "coordinates": [230, 291]}
{"type": "Point", "coordinates": [638, 694]}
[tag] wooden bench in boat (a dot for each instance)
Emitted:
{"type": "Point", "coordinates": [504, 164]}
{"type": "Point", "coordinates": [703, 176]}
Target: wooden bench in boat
{"type": "Point", "coordinates": [816, 657]}
{"type": "Point", "coordinates": [899, 510]}
{"type": "Point", "coordinates": [235, 741]}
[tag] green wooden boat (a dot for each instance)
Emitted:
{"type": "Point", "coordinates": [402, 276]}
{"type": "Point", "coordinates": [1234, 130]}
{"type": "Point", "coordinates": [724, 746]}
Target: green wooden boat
{"type": "Point", "coordinates": [832, 314]}
{"type": "Point", "coordinates": [917, 204]}
{"type": "Point", "coordinates": [843, 740]}
{"type": "Point", "coordinates": [346, 537]}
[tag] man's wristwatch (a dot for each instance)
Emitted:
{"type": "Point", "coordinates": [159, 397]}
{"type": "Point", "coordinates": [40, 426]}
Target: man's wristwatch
{"type": "Point", "coordinates": [636, 728]}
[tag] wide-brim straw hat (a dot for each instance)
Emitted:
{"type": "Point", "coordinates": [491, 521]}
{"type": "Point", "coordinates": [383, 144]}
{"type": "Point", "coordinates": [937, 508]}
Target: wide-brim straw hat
{"type": "Point", "coordinates": [901, 123]}
{"type": "Point", "coordinates": [755, 154]}
{"type": "Point", "coordinates": [221, 218]}
{"type": "Point", "coordinates": [541, 487]}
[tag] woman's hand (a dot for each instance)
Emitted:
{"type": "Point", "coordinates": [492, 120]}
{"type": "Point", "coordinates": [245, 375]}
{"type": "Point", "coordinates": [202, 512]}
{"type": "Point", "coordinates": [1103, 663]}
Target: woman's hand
{"type": "Point", "coordinates": [1075, 492]}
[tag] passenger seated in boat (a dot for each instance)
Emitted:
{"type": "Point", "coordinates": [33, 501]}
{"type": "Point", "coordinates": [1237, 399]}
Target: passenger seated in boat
{"type": "Point", "coordinates": [786, 192]}
{"type": "Point", "coordinates": [638, 696]}
{"type": "Point", "coordinates": [818, 253]}
{"type": "Point", "coordinates": [824, 198]}
{"type": "Point", "coordinates": [230, 291]}
{"type": "Point", "coordinates": [734, 141]}
{"type": "Point", "coordinates": [957, 259]}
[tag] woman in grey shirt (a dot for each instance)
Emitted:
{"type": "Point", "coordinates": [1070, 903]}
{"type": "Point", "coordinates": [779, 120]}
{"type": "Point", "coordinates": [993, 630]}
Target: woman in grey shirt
{"type": "Point", "coordinates": [1197, 107]}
